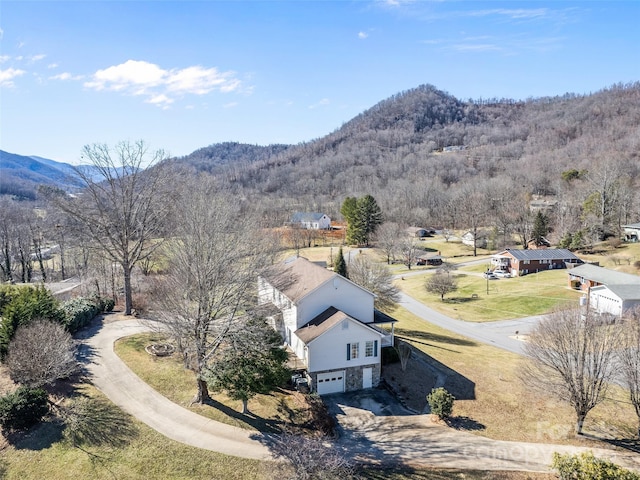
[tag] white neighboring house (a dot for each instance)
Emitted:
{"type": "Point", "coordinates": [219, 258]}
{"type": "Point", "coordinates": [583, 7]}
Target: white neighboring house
{"type": "Point", "coordinates": [311, 221]}
{"type": "Point", "coordinates": [329, 323]}
{"type": "Point", "coordinates": [614, 299]}
{"type": "Point", "coordinates": [632, 232]}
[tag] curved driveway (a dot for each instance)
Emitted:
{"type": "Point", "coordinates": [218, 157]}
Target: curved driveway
{"type": "Point", "coordinates": [124, 388]}
{"type": "Point", "coordinates": [372, 431]}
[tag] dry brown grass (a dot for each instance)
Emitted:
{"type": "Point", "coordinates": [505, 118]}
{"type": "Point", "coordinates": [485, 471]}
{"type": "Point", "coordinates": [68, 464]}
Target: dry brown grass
{"type": "Point", "coordinates": [502, 407]}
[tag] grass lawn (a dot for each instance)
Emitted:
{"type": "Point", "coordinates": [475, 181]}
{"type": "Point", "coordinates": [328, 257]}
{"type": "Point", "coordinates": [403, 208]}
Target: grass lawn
{"type": "Point", "coordinates": [42, 453]}
{"type": "Point", "coordinates": [503, 407]}
{"type": "Point", "coordinates": [167, 376]}
{"type": "Point", "coordinates": [507, 298]}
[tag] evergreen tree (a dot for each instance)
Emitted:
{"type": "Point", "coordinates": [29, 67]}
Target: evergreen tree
{"type": "Point", "coordinates": [340, 266]}
{"type": "Point", "coordinates": [363, 216]}
{"type": "Point", "coordinates": [540, 228]}
{"type": "Point", "coordinates": [369, 217]}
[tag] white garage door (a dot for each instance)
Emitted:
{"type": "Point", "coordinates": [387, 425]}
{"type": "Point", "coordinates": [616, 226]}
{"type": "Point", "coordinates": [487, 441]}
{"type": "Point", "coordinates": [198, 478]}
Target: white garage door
{"type": "Point", "coordinates": [331, 382]}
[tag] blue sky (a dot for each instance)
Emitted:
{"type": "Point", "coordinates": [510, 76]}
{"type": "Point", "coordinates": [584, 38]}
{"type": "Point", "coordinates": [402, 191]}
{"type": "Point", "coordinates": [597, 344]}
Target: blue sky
{"type": "Point", "coordinates": [182, 75]}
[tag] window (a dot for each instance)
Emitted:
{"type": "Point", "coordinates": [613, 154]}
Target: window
{"type": "Point", "coordinates": [352, 350]}
{"type": "Point", "coordinates": [371, 348]}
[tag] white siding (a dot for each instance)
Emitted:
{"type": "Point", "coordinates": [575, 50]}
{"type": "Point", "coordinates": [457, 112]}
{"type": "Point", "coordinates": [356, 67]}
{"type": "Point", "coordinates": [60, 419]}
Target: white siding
{"type": "Point", "coordinates": [329, 351]}
{"type": "Point", "coordinates": [338, 293]}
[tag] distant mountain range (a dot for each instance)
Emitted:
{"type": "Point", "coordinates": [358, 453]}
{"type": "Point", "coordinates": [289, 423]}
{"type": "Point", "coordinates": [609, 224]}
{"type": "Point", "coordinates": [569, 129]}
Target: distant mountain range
{"type": "Point", "coordinates": [21, 175]}
{"type": "Point", "coordinates": [408, 149]}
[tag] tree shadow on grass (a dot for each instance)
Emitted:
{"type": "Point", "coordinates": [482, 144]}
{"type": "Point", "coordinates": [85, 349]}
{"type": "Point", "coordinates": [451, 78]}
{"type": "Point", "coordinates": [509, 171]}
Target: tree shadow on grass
{"type": "Point", "coordinates": [39, 437]}
{"type": "Point", "coordinates": [264, 425]}
{"type": "Point", "coordinates": [631, 444]}
{"type": "Point", "coordinates": [465, 423]}
{"type": "Point", "coordinates": [433, 337]}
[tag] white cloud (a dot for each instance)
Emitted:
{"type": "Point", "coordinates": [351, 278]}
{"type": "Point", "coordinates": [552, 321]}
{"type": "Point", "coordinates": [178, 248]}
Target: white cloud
{"type": "Point", "coordinates": [362, 35]}
{"type": "Point", "coordinates": [160, 86]}
{"type": "Point", "coordinates": [4, 58]}
{"type": "Point", "coordinates": [37, 58]}
{"type": "Point", "coordinates": [52, 65]}
{"type": "Point", "coordinates": [65, 76]}
{"type": "Point", "coordinates": [7, 76]}
{"type": "Point", "coordinates": [230, 105]}
{"type": "Point", "coordinates": [321, 103]}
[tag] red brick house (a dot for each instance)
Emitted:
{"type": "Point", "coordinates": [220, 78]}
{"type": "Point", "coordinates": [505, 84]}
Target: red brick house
{"type": "Point", "coordinates": [523, 262]}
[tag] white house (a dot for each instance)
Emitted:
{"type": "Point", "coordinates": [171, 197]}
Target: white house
{"type": "Point", "coordinates": [329, 323]}
{"type": "Point", "coordinates": [632, 232]}
{"type": "Point", "coordinates": [614, 299]}
{"type": "Point", "coordinates": [311, 221]}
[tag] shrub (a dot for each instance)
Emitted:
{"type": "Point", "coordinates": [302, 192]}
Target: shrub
{"type": "Point", "coordinates": [587, 467]}
{"type": "Point", "coordinates": [23, 408]}
{"type": "Point", "coordinates": [441, 402]}
{"type": "Point", "coordinates": [22, 306]}
{"type": "Point", "coordinates": [78, 312]}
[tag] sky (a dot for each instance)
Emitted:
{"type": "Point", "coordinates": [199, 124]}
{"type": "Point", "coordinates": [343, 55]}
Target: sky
{"type": "Point", "coordinates": [182, 75]}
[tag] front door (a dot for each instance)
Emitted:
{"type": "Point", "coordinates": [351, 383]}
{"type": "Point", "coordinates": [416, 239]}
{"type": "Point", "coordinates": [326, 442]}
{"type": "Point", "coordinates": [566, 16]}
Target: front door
{"type": "Point", "coordinates": [367, 377]}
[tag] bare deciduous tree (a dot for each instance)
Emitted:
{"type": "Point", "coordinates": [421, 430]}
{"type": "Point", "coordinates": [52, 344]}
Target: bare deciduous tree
{"type": "Point", "coordinates": [571, 355]}
{"type": "Point", "coordinates": [377, 279]}
{"type": "Point", "coordinates": [629, 357]}
{"type": "Point", "coordinates": [312, 458]}
{"type": "Point", "coordinates": [441, 283]}
{"type": "Point", "coordinates": [215, 259]}
{"type": "Point", "coordinates": [120, 205]}
{"type": "Point", "coordinates": [41, 353]}
{"type": "Point", "coordinates": [387, 239]}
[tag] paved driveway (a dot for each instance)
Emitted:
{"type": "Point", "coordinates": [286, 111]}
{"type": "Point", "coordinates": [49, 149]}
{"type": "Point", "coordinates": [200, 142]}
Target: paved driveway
{"type": "Point", "coordinates": [374, 427]}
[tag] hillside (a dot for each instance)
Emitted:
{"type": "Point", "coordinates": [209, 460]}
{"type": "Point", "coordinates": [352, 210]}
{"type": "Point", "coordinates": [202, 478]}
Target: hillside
{"type": "Point", "coordinates": [20, 175]}
{"type": "Point", "coordinates": [398, 150]}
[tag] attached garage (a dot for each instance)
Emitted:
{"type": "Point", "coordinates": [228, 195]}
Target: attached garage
{"type": "Point", "coordinates": [330, 382]}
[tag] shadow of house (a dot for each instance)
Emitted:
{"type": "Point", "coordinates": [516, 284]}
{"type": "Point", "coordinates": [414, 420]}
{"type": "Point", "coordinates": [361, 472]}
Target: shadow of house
{"type": "Point", "coordinates": [422, 374]}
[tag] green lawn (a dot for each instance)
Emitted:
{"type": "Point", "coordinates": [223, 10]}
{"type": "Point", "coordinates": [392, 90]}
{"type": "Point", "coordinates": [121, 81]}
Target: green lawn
{"type": "Point", "coordinates": [42, 454]}
{"type": "Point", "coordinates": [168, 376]}
{"type": "Point", "coordinates": [481, 300]}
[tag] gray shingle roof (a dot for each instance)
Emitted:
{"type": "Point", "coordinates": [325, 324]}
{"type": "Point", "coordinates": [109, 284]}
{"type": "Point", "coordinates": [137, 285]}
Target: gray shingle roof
{"type": "Point", "coordinates": [306, 217]}
{"type": "Point", "coordinates": [625, 292]}
{"type": "Point", "coordinates": [632, 225]}
{"type": "Point", "coordinates": [542, 254]}
{"type": "Point", "coordinates": [604, 275]}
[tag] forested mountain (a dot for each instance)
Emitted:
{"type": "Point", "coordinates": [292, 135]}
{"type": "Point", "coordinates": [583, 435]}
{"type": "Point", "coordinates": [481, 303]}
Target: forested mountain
{"type": "Point", "coordinates": [418, 150]}
{"type": "Point", "coordinates": [432, 159]}
{"type": "Point", "coordinates": [21, 175]}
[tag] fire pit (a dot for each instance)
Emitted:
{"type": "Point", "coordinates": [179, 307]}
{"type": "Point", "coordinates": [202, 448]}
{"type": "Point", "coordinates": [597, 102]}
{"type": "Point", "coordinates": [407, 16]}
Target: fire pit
{"type": "Point", "coordinates": [160, 349]}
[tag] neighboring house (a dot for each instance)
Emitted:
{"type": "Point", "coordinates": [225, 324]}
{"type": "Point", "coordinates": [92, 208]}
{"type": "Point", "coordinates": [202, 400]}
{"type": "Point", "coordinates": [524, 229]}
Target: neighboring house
{"type": "Point", "coordinates": [632, 232]}
{"type": "Point", "coordinates": [429, 259]}
{"type": "Point", "coordinates": [420, 232]}
{"type": "Point", "coordinates": [329, 323]}
{"type": "Point", "coordinates": [311, 221]}
{"type": "Point", "coordinates": [588, 276]}
{"type": "Point", "coordinates": [543, 243]}
{"type": "Point", "coordinates": [614, 299]}
{"type": "Point", "coordinates": [481, 240]}
{"type": "Point", "coordinates": [523, 262]}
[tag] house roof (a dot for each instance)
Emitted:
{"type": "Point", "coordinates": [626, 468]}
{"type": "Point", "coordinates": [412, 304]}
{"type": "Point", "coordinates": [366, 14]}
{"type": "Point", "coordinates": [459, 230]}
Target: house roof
{"type": "Point", "coordinates": [624, 292]}
{"type": "Point", "coordinates": [325, 322]}
{"type": "Point", "coordinates": [632, 225]}
{"type": "Point", "coordinates": [546, 254]}
{"type": "Point", "coordinates": [605, 276]}
{"type": "Point", "coordinates": [304, 277]}
{"type": "Point", "coordinates": [306, 217]}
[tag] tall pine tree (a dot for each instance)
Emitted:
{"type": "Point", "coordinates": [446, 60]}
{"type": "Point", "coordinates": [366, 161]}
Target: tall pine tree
{"type": "Point", "coordinates": [340, 266]}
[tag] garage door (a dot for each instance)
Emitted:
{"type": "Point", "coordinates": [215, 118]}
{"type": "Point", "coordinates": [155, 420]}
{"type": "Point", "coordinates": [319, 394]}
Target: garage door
{"type": "Point", "coordinates": [330, 382]}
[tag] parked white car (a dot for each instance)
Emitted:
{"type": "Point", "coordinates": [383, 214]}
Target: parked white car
{"type": "Point", "coordinates": [501, 273]}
